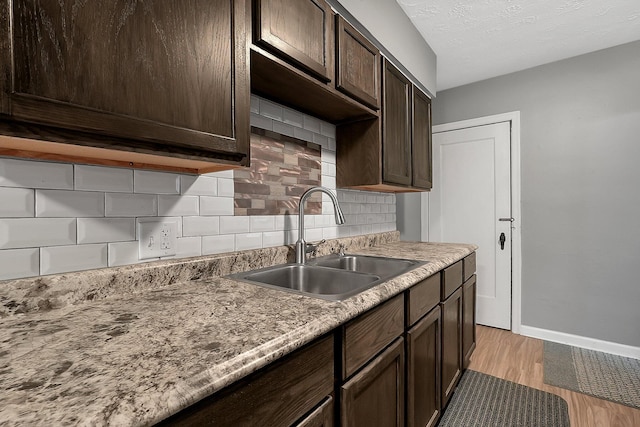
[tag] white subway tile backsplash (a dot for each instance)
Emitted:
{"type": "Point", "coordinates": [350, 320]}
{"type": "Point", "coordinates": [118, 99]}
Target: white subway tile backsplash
{"type": "Point", "coordinates": [63, 203]}
{"type": "Point", "coordinates": [328, 129]}
{"type": "Point", "coordinates": [37, 232]}
{"type": "Point", "coordinates": [99, 178]}
{"type": "Point", "coordinates": [59, 259]}
{"type": "Point", "coordinates": [262, 223]}
{"type": "Point", "coordinates": [198, 185]}
{"type": "Point", "coordinates": [150, 182]}
{"type": "Point", "coordinates": [311, 124]}
{"type": "Point", "coordinates": [248, 241]}
{"type": "Point", "coordinates": [226, 188]}
{"type": "Point", "coordinates": [234, 224]}
{"type": "Point", "coordinates": [178, 205]}
{"type": "Point", "coordinates": [271, 110]}
{"type": "Point", "coordinates": [33, 174]}
{"type": "Point", "coordinates": [200, 225]}
{"type": "Point", "coordinates": [125, 253]}
{"type": "Point", "coordinates": [202, 206]}
{"type": "Point", "coordinates": [284, 129]}
{"type": "Point", "coordinates": [261, 122]}
{"type": "Point", "coordinates": [17, 202]}
{"type": "Point", "coordinates": [121, 204]}
{"type": "Point", "coordinates": [216, 205]}
{"type": "Point", "coordinates": [292, 117]}
{"type": "Point", "coordinates": [273, 238]}
{"type": "Point", "coordinates": [218, 244]}
{"type": "Point", "coordinates": [189, 246]}
{"type": "Point", "coordinates": [17, 263]}
{"type": "Point", "coordinates": [303, 134]}
{"type": "Point", "coordinates": [255, 104]}
{"type": "Point", "coordinates": [100, 230]}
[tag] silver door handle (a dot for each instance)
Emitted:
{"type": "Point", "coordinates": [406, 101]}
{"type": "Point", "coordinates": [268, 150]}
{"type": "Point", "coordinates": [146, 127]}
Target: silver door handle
{"type": "Point", "coordinates": [506, 219]}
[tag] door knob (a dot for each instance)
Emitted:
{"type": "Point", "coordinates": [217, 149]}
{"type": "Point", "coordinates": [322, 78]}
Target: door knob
{"type": "Point", "coordinates": [502, 239]}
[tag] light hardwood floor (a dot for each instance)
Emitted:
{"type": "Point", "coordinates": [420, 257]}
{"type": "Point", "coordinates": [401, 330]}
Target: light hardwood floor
{"type": "Point", "coordinates": [519, 359]}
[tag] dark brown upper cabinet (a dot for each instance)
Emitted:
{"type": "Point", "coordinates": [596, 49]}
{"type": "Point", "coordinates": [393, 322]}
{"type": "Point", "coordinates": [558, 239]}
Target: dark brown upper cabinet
{"type": "Point", "coordinates": [396, 126]}
{"type": "Point", "coordinates": [155, 79]}
{"type": "Point", "coordinates": [421, 140]}
{"type": "Point", "coordinates": [357, 65]}
{"type": "Point", "coordinates": [392, 152]}
{"type": "Point", "coordinates": [299, 30]}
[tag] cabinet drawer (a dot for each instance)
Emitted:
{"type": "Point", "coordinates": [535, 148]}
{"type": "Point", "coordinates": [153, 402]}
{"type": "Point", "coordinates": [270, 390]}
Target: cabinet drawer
{"type": "Point", "coordinates": [365, 336]}
{"type": "Point", "coordinates": [422, 297]}
{"type": "Point", "coordinates": [277, 395]}
{"type": "Point", "coordinates": [451, 279]}
{"type": "Point", "coordinates": [469, 266]}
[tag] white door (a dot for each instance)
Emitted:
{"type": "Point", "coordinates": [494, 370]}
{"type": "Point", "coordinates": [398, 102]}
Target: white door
{"type": "Point", "coordinates": [471, 194]}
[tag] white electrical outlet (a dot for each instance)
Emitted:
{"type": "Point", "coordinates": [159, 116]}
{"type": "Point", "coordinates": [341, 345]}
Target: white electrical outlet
{"type": "Point", "coordinates": [157, 239]}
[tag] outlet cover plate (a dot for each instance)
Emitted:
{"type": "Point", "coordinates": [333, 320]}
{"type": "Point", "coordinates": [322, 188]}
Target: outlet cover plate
{"type": "Point", "coordinates": [157, 239]}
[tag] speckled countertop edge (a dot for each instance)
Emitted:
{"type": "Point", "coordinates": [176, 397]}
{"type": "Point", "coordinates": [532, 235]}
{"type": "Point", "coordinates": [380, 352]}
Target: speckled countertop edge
{"type": "Point", "coordinates": [136, 359]}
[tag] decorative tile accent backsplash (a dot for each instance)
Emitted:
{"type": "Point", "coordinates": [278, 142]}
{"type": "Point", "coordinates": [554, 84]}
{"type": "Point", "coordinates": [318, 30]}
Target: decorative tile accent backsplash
{"type": "Point", "coordinates": [62, 217]}
{"type": "Point", "coordinates": [282, 168]}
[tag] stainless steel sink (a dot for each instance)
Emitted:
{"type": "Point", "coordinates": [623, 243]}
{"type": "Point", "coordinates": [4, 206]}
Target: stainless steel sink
{"type": "Point", "coordinates": [383, 267]}
{"type": "Point", "coordinates": [321, 282]}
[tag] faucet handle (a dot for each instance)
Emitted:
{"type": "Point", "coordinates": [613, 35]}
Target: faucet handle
{"type": "Point", "coordinates": [313, 248]}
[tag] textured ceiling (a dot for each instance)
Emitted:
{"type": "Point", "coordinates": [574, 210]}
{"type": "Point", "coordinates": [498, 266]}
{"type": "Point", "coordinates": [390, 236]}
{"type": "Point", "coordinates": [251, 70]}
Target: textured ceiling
{"type": "Point", "coordinates": [477, 40]}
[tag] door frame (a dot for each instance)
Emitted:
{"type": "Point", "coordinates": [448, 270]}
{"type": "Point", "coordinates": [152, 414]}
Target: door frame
{"type": "Point", "coordinates": [516, 226]}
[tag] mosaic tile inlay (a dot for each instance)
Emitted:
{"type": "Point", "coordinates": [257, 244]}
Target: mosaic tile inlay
{"type": "Point", "coordinates": [282, 168]}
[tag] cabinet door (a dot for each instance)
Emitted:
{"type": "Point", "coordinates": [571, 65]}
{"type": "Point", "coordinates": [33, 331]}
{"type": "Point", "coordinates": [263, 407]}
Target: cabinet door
{"type": "Point", "coordinates": [451, 344]}
{"type": "Point", "coordinates": [423, 371]}
{"type": "Point", "coordinates": [468, 320]}
{"type": "Point", "coordinates": [357, 65]}
{"type": "Point", "coordinates": [174, 73]}
{"type": "Point", "coordinates": [421, 140]}
{"type": "Point", "coordinates": [396, 126]}
{"type": "Point", "coordinates": [298, 30]}
{"type": "Point", "coordinates": [375, 396]}
{"type": "Point", "coordinates": [322, 416]}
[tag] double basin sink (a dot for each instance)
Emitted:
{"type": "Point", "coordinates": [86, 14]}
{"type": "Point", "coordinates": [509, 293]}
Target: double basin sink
{"type": "Point", "coordinates": [333, 277]}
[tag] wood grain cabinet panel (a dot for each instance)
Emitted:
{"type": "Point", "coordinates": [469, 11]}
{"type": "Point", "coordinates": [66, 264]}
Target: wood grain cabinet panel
{"type": "Point", "coordinates": [421, 140]}
{"type": "Point", "coordinates": [422, 298]}
{"type": "Point", "coordinates": [468, 320]}
{"type": "Point", "coordinates": [469, 266]}
{"type": "Point", "coordinates": [396, 126]}
{"type": "Point", "coordinates": [375, 396]}
{"type": "Point", "coordinates": [451, 279]}
{"type": "Point", "coordinates": [423, 371]}
{"type": "Point", "coordinates": [299, 30]}
{"type": "Point", "coordinates": [278, 395]}
{"type": "Point", "coordinates": [451, 344]}
{"type": "Point", "coordinates": [357, 65]}
{"type": "Point", "coordinates": [172, 74]}
{"type": "Point", "coordinates": [369, 333]}
{"type": "Point", "coordinates": [322, 416]}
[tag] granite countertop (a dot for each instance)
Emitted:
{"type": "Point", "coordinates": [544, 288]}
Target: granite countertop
{"type": "Point", "coordinates": [137, 358]}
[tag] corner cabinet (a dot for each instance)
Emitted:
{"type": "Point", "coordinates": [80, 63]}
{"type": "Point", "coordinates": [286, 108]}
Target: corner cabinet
{"type": "Point", "coordinates": [152, 79]}
{"type": "Point", "coordinates": [391, 153]}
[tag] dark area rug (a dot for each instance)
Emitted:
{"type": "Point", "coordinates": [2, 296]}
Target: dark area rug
{"type": "Point", "coordinates": [602, 375]}
{"type": "Point", "coordinates": [487, 401]}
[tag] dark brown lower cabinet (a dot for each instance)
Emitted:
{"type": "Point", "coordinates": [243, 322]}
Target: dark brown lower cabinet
{"type": "Point", "coordinates": [278, 395]}
{"type": "Point", "coordinates": [423, 371]}
{"type": "Point", "coordinates": [322, 416]}
{"type": "Point", "coordinates": [468, 320]}
{"type": "Point", "coordinates": [374, 397]}
{"type": "Point", "coordinates": [451, 344]}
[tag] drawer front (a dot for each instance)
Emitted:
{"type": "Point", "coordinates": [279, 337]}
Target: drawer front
{"type": "Point", "coordinates": [278, 395]}
{"type": "Point", "coordinates": [365, 336]}
{"type": "Point", "coordinates": [451, 279]}
{"type": "Point", "coordinates": [422, 297]}
{"type": "Point", "coordinates": [469, 266]}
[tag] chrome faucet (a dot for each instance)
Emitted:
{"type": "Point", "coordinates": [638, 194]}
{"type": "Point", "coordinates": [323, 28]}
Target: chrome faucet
{"type": "Point", "coordinates": [301, 245]}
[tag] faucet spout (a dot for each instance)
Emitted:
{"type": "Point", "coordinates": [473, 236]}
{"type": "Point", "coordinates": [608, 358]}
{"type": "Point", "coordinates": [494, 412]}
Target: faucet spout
{"type": "Point", "coordinates": [301, 245]}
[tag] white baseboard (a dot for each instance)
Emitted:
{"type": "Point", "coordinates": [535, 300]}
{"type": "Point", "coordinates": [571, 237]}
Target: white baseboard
{"type": "Point", "coordinates": [578, 341]}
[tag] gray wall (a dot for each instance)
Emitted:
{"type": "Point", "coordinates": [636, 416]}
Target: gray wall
{"type": "Point", "coordinates": [580, 145]}
{"type": "Point", "coordinates": [390, 26]}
